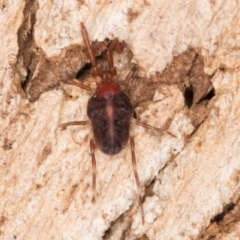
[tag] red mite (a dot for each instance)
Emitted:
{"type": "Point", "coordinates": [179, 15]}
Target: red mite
{"type": "Point", "coordinates": [110, 111]}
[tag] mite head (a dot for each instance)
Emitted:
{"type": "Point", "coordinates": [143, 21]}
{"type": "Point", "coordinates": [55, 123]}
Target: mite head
{"type": "Point", "coordinates": [107, 89]}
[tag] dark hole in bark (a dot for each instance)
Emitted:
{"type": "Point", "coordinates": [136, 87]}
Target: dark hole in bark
{"type": "Point", "coordinates": [221, 215]}
{"type": "Point", "coordinates": [210, 95]}
{"type": "Point", "coordinates": [134, 115]}
{"type": "Point", "coordinates": [188, 95]}
{"type": "Point", "coordinates": [24, 83]}
{"type": "Point", "coordinates": [83, 70]}
{"type": "Point", "coordinates": [88, 66]}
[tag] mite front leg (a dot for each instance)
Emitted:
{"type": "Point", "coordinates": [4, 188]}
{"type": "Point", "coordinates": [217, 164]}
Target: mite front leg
{"type": "Point", "coordinates": [90, 51]}
{"type": "Point", "coordinates": [115, 45]}
{"type": "Point", "coordinates": [132, 144]}
{"type": "Point", "coordinates": [92, 149]}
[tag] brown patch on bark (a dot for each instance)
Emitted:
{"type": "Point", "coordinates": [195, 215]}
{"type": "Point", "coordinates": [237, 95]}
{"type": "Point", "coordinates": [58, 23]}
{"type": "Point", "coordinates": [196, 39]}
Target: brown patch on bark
{"type": "Point", "coordinates": [44, 154]}
{"type": "Point", "coordinates": [69, 198]}
{"type": "Point", "coordinates": [176, 71]}
{"type": "Point", "coordinates": [199, 80]}
{"type": "Point", "coordinates": [198, 113]}
{"type": "Point", "coordinates": [141, 90]}
{"type": "Point", "coordinates": [131, 15]}
{"type": "Point", "coordinates": [223, 222]}
{"type": "Point", "coordinates": [7, 144]}
{"type": "Point", "coordinates": [46, 74]}
{"type": "Point", "coordinates": [187, 70]}
{"type": "Point", "coordinates": [99, 47]}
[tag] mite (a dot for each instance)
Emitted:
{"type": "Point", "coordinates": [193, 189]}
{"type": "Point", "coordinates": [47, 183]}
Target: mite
{"type": "Point", "coordinates": [110, 111]}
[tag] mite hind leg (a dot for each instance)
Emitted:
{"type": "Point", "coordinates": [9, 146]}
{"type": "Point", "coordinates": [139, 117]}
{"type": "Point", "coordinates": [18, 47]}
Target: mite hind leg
{"type": "Point", "coordinates": [132, 145]}
{"type": "Point", "coordinates": [94, 168]}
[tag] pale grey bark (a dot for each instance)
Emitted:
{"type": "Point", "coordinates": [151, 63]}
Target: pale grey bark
{"type": "Point", "coordinates": [46, 173]}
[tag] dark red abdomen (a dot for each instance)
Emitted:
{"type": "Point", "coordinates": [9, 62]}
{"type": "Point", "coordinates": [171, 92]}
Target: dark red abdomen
{"type": "Point", "coordinates": [110, 113]}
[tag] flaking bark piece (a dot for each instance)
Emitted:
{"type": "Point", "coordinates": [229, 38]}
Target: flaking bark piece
{"type": "Point", "coordinates": [199, 80]}
{"type": "Point", "coordinates": [187, 70]}
{"type": "Point", "coordinates": [198, 113]}
{"type": "Point", "coordinates": [178, 69]}
{"type": "Point", "coordinates": [224, 222]}
{"type": "Point", "coordinates": [232, 216]}
{"type": "Point", "coordinates": [45, 74]}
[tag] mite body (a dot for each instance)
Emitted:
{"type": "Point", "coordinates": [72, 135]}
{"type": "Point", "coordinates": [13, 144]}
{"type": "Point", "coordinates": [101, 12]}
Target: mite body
{"type": "Point", "coordinates": [110, 111]}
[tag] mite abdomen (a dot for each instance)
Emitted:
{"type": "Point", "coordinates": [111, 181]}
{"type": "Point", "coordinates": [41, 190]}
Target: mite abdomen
{"type": "Point", "coordinates": [110, 118]}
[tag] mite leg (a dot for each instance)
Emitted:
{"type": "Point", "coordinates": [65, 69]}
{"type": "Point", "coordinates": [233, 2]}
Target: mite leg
{"type": "Point", "coordinates": [118, 46]}
{"type": "Point", "coordinates": [132, 144]}
{"type": "Point", "coordinates": [152, 127]}
{"type": "Point", "coordinates": [64, 126]}
{"type": "Point", "coordinates": [92, 149]}
{"type": "Point", "coordinates": [79, 84]}
{"type": "Point", "coordinates": [90, 51]}
{"type": "Point", "coordinates": [130, 74]}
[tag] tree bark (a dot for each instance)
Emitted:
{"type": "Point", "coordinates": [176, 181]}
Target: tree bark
{"type": "Point", "coordinates": [188, 172]}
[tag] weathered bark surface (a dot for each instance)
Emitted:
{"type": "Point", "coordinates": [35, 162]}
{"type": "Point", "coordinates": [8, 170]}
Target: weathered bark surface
{"type": "Point", "coordinates": [46, 173]}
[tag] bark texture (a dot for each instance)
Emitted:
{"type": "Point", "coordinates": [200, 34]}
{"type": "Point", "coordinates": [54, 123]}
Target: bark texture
{"type": "Point", "coordinates": [188, 172]}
